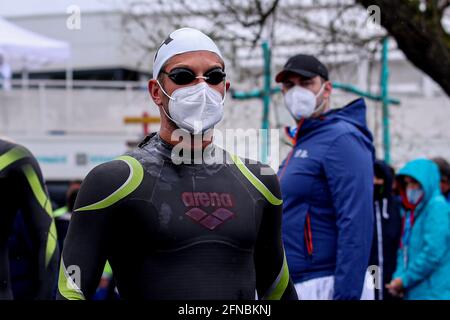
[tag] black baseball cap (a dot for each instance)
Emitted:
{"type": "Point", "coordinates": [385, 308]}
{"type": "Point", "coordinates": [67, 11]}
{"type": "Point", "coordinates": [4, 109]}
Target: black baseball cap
{"type": "Point", "coordinates": [304, 65]}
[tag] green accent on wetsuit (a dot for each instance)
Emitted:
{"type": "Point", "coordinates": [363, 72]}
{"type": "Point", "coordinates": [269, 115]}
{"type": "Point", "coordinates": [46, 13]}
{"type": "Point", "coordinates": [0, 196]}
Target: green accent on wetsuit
{"type": "Point", "coordinates": [52, 240]}
{"type": "Point", "coordinates": [107, 271]}
{"type": "Point", "coordinates": [60, 212]}
{"type": "Point", "coordinates": [66, 286]}
{"type": "Point", "coordinates": [12, 156]}
{"type": "Point", "coordinates": [38, 191]}
{"type": "Point", "coordinates": [278, 288]}
{"type": "Point", "coordinates": [256, 182]}
{"type": "Point", "coordinates": [133, 181]}
{"type": "Point", "coordinates": [45, 203]}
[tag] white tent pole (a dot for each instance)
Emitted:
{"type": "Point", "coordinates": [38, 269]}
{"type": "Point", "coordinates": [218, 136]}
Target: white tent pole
{"type": "Point", "coordinates": [69, 85]}
{"type": "Point", "coordinates": [25, 77]}
{"type": "Point", "coordinates": [69, 74]}
{"type": "Point", "coordinates": [42, 108]}
{"type": "Point", "coordinates": [25, 102]}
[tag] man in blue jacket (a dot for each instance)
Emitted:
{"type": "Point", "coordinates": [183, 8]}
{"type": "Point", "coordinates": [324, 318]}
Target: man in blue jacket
{"type": "Point", "coordinates": [327, 186]}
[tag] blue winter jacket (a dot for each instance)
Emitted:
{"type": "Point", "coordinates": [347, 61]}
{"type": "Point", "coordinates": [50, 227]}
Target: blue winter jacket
{"type": "Point", "coordinates": [424, 260]}
{"type": "Point", "coordinates": [327, 189]}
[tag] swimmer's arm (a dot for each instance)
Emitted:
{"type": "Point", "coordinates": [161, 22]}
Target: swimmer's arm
{"type": "Point", "coordinates": [272, 275]}
{"type": "Point", "coordinates": [37, 212]}
{"type": "Point", "coordinates": [85, 248]}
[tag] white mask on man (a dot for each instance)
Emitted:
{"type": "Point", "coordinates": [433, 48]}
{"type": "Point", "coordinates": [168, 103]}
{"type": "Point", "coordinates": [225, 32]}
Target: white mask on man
{"type": "Point", "coordinates": [195, 108]}
{"type": "Point", "coordinates": [301, 102]}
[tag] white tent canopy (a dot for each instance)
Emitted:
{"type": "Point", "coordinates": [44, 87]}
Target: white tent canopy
{"type": "Point", "coordinates": [25, 49]}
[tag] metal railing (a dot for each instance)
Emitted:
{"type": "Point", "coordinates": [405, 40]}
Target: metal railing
{"type": "Point", "coordinates": [57, 106]}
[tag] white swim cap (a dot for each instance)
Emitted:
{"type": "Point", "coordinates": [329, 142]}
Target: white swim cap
{"type": "Point", "coordinates": [181, 41]}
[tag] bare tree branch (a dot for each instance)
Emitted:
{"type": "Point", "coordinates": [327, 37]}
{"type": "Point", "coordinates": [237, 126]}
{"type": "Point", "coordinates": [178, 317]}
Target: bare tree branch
{"type": "Point", "coordinates": [331, 28]}
{"type": "Point", "coordinates": [419, 34]}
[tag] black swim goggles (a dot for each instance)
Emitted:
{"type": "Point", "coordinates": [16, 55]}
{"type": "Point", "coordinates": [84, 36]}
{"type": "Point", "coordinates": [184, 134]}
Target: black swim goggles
{"type": "Point", "coordinates": [183, 76]}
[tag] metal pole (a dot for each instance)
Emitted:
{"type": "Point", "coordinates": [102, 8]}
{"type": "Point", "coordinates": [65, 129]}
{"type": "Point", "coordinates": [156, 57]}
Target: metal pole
{"type": "Point", "coordinates": [266, 101]}
{"type": "Point", "coordinates": [42, 108]}
{"type": "Point", "coordinates": [385, 101]}
{"type": "Point", "coordinates": [69, 96]}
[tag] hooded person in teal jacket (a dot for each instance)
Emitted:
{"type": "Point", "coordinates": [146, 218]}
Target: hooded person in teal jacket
{"type": "Point", "coordinates": [423, 264]}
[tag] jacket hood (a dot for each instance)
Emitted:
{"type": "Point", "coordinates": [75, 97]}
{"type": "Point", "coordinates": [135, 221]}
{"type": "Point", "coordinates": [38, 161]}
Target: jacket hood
{"type": "Point", "coordinates": [354, 113]}
{"type": "Point", "coordinates": [426, 172]}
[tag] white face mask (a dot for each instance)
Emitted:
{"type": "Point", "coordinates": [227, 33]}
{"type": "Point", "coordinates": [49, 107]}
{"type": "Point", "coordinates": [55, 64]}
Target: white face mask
{"type": "Point", "coordinates": [195, 108]}
{"type": "Point", "coordinates": [301, 102]}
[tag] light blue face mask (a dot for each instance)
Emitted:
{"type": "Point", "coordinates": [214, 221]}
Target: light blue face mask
{"type": "Point", "coordinates": [414, 195]}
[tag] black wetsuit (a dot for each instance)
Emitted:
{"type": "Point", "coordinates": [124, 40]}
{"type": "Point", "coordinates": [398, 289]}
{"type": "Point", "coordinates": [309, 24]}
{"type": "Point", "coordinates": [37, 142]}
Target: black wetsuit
{"type": "Point", "coordinates": [22, 189]}
{"type": "Point", "coordinates": [199, 231]}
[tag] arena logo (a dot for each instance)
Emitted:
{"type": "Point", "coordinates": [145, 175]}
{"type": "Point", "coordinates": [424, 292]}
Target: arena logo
{"type": "Point", "coordinates": [207, 199]}
{"type": "Point", "coordinates": [221, 201]}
